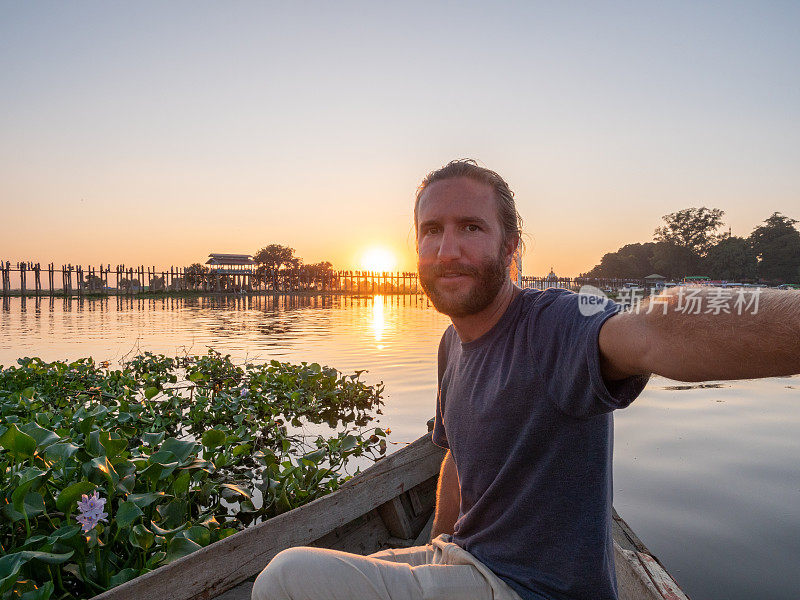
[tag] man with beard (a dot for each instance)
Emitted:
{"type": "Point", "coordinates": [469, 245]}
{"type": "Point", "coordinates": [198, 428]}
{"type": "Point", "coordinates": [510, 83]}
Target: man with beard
{"type": "Point", "coordinates": [528, 380]}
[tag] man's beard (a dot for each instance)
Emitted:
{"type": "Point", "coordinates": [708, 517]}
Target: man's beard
{"type": "Point", "coordinates": [488, 278]}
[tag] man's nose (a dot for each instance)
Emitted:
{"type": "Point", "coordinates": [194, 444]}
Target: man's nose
{"type": "Point", "coordinates": [449, 248]}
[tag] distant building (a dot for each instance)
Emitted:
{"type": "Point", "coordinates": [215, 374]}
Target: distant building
{"type": "Point", "coordinates": [655, 280]}
{"type": "Point", "coordinates": [231, 264]}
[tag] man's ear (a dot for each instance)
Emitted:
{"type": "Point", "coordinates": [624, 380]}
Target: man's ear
{"type": "Point", "coordinates": [510, 247]}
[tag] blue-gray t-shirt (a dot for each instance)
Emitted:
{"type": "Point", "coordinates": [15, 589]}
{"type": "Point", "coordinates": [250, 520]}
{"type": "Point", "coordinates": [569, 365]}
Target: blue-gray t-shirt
{"type": "Point", "coordinates": [527, 416]}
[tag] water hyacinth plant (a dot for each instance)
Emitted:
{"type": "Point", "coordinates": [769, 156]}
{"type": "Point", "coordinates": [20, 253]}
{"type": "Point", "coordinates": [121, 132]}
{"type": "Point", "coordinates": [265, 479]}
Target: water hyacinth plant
{"type": "Point", "coordinates": [106, 474]}
{"type": "Point", "coordinates": [91, 511]}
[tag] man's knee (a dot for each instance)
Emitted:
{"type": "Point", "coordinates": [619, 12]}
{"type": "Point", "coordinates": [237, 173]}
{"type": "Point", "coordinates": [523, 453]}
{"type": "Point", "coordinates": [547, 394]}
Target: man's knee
{"type": "Point", "coordinates": [274, 582]}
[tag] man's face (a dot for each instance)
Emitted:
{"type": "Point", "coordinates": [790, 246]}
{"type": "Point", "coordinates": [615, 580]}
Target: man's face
{"type": "Point", "coordinates": [462, 259]}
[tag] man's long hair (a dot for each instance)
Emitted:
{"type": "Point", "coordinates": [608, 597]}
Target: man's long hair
{"type": "Point", "coordinates": [510, 219]}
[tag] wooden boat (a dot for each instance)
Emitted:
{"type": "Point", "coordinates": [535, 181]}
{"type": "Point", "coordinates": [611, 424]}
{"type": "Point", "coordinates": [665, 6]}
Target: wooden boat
{"type": "Point", "coordinates": [389, 505]}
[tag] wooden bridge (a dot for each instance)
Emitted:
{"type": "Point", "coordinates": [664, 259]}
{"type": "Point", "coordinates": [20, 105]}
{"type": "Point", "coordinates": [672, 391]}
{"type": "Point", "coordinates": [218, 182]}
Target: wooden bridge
{"type": "Point", "coordinates": [33, 279]}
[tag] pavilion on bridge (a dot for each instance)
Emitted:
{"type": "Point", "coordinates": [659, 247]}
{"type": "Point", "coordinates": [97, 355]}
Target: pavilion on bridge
{"type": "Point", "coordinates": [232, 270]}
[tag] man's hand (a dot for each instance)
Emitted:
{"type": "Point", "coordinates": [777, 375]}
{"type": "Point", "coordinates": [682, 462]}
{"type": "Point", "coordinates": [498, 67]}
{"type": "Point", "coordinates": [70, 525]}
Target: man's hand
{"type": "Point", "coordinates": [689, 342]}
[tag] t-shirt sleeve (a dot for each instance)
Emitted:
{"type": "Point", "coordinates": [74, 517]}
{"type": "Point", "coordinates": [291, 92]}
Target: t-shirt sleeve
{"type": "Point", "coordinates": [439, 436]}
{"type": "Point", "coordinates": [564, 340]}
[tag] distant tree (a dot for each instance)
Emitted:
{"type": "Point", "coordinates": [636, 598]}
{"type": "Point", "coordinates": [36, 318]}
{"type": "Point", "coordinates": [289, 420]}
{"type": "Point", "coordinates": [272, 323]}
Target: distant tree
{"type": "Point", "coordinates": [776, 245]}
{"type": "Point", "coordinates": [632, 261]}
{"type": "Point", "coordinates": [317, 272]}
{"type": "Point", "coordinates": [272, 259]}
{"type": "Point", "coordinates": [126, 284]}
{"type": "Point", "coordinates": [195, 274]}
{"type": "Point", "coordinates": [290, 274]}
{"type": "Point", "coordinates": [692, 228]}
{"type": "Point", "coordinates": [674, 261]}
{"type": "Point", "coordinates": [731, 259]}
{"type": "Point", "coordinates": [157, 284]}
{"type": "Point", "coordinates": [93, 283]}
{"type": "Point", "coordinates": [274, 256]}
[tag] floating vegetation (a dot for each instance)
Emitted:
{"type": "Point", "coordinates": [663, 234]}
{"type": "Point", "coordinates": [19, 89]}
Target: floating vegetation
{"type": "Point", "coordinates": [108, 474]}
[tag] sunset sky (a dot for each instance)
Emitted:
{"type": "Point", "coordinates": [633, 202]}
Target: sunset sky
{"type": "Point", "coordinates": [156, 133]}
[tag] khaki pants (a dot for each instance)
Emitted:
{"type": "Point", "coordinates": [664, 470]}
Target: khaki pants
{"type": "Point", "coordinates": [437, 571]}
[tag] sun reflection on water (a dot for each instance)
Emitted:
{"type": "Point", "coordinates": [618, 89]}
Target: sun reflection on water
{"type": "Point", "coordinates": [378, 319]}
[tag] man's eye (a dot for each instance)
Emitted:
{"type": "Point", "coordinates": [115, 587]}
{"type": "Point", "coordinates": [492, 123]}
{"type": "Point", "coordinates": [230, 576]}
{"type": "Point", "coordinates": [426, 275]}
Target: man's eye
{"type": "Point", "coordinates": [473, 228]}
{"type": "Point", "coordinates": [431, 230]}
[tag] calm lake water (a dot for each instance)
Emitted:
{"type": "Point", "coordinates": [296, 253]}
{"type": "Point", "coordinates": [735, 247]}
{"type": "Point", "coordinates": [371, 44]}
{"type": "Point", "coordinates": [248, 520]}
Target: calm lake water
{"type": "Point", "coordinates": [707, 475]}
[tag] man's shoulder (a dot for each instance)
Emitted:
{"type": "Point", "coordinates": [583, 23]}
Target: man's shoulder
{"type": "Point", "coordinates": [535, 301]}
{"type": "Point", "coordinates": [447, 339]}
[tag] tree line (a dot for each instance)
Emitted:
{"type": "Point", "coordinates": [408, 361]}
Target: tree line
{"type": "Point", "coordinates": [692, 241]}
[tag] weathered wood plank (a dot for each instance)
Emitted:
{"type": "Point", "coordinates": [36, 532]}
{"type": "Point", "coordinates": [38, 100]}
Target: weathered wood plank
{"type": "Point", "coordinates": [220, 566]}
{"type": "Point", "coordinates": [633, 582]}
{"type": "Point", "coordinates": [425, 535]}
{"type": "Point", "coordinates": [243, 591]}
{"type": "Point", "coordinates": [637, 561]}
{"type": "Point", "coordinates": [662, 580]}
{"type": "Point", "coordinates": [394, 516]}
{"type": "Point", "coordinates": [625, 536]}
{"type": "Point", "coordinates": [364, 535]}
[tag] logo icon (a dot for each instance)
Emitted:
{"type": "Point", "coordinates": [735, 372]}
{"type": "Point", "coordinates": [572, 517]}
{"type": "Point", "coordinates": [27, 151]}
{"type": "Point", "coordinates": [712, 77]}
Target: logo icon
{"type": "Point", "coordinates": [591, 300]}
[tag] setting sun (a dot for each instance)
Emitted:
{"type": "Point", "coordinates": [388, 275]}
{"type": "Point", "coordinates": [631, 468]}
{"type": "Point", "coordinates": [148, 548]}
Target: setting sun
{"type": "Point", "coordinates": [378, 259]}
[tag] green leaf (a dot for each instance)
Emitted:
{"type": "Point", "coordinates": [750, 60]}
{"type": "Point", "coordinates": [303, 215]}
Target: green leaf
{"type": "Point", "coordinates": [71, 494]}
{"type": "Point", "coordinates": [153, 473]}
{"type": "Point", "coordinates": [61, 450]}
{"type": "Point", "coordinates": [282, 503]}
{"type": "Point", "coordinates": [213, 438]}
{"type": "Point", "coordinates": [102, 466]}
{"type": "Point", "coordinates": [181, 483]}
{"type": "Point", "coordinates": [28, 392]}
{"type": "Point", "coordinates": [163, 533]}
{"type": "Point", "coordinates": [315, 456]}
{"type": "Point", "coordinates": [123, 576]}
{"type": "Point", "coordinates": [142, 500]}
{"type": "Point", "coordinates": [232, 491]}
{"type": "Point", "coordinates": [30, 477]}
{"type": "Point", "coordinates": [32, 504]}
{"type": "Point", "coordinates": [127, 513]}
{"type": "Point", "coordinates": [180, 547]}
{"type": "Point", "coordinates": [19, 444]}
{"type": "Point", "coordinates": [114, 446]}
{"type": "Point", "coordinates": [150, 392]}
{"type": "Point", "coordinates": [181, 449]}
{"type": "Point", "coordinates": [199, 535]}
{"type": "Point", "coordinates": [152, 439]}
{"type": "Point", "coordinates": [64, 533]}
{"type": "Point", "coordinates": [174, 513]}
{"type": "Point", "coordinates": [155, 559]}
{"type": "Point", "coordinates": [43, 592]}
{"type": "Point", "coordinates": [141, 537]}
{"type": "Point", "coordinates": [44, 437]}
{"type": "Point", "coordinates": [241, 449]}
{"type": "Point", "coordinates": [349, 442]}
{"type": "Point", "coordinates": [127, 483]}
{"type": "Point", "coordinates": [49, 558]}
{"type": "Point", "coordinates": [85, 425]}
{"type": "Point", "coordinates": [10, 565]}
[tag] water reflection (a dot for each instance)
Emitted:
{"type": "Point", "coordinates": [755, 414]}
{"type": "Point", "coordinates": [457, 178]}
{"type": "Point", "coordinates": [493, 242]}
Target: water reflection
{"type": "Point", "coordinates": [378, 320]}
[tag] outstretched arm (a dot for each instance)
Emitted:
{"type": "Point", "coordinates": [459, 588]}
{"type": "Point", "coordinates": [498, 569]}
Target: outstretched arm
{"type": "Point", "coordinates": [685, 334]}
